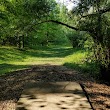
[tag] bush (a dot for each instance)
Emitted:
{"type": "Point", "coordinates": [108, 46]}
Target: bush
{"type": "Point", "coordinates": [77, 39]}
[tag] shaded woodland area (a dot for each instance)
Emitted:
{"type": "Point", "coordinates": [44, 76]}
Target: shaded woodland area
{"type": "Point", "coordinates": [45, 40]}
{"type": "Point", "coordinates": [29, 23]}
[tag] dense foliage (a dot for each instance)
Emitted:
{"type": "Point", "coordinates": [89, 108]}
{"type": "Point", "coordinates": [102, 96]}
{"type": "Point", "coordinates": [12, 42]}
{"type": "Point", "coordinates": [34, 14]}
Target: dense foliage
{"type": "Point", "coordinates": [29, 22]}
{"type": "Point", "coordinates": [19, 22]}
{"type": "Point", "coordinates": [93, 16]}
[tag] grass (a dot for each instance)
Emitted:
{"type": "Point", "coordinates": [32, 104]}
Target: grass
{"type": "Point", "coordinates": [12, 59]}
{"type": "Point", "coordinates": [78, 61]}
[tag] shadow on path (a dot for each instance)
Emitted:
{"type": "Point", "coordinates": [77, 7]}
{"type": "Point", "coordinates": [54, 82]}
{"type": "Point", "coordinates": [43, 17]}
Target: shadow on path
{"type": "Point", "coordinates": [11, 85]}
{"type": "Point", "coordinates": [53, 96]}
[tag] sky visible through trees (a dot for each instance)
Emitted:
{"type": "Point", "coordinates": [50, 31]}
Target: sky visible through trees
{"type": "Point", "coordinates": [70, 4]}
{"type": "Point", "coordinates": [21, 25]}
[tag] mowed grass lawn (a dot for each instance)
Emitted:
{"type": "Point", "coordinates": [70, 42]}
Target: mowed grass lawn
{"type": "Point", "coordinates": [12, 59]}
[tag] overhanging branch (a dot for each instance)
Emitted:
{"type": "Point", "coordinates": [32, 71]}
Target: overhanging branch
{"type": "Point", "coordinates": [100, 12]}
{"type": "Point", "coordinates": [61, 23]}
{"type": "Point", "coordinates": [64, 24]}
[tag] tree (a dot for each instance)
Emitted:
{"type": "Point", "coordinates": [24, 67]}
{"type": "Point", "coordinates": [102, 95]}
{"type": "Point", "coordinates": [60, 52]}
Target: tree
{"type": "Point", "coordinates": [93, 16]}
{"type": "Point", "coordinates": [18, 18]}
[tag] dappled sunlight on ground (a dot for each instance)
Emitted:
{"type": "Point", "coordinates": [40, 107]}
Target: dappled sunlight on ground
{"type": "Point", "coordinates": [12, 59]}
{"type": "Point", "coordinates": [11, 85]}
{"type": "Point", "coordinates": [53, 96]}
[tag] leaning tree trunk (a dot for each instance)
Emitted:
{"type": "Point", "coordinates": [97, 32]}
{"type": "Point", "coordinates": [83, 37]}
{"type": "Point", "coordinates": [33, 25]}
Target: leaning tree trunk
{"type": "Point", "coordinates": [105, 70]}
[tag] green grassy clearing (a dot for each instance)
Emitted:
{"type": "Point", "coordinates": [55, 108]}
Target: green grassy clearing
{"type": "Point", "coordinates": [78, 62]}
{"type": "Point", "coordinates": [12, 59]}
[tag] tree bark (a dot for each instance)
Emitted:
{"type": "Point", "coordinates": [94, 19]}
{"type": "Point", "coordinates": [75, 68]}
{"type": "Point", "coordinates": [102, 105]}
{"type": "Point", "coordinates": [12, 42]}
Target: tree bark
{"type": "Point", "coordinates": [23, 41]}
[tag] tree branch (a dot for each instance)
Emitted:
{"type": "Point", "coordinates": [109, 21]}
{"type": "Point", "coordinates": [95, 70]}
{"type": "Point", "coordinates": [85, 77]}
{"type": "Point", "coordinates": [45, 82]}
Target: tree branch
{"type": "Point", "coordinates": [61, 23]}
{"type": "Point", "coordinates": [105, 10]}
{"type": "Point", "coordinates": [100, 12]}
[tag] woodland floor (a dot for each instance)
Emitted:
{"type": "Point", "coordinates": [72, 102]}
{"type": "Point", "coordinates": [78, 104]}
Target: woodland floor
{"type": "Point", "coordinates": [11, 85]}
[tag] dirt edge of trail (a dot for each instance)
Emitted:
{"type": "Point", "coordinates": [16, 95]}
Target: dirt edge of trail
{"type": "Point", "coordinates": [11, 85]}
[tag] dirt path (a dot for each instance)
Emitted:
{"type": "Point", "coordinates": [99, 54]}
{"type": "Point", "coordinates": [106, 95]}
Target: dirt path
{"type": "Point", "coordinates": [53, 96]}
{"type": "Point", "coordinates": [11, 85]}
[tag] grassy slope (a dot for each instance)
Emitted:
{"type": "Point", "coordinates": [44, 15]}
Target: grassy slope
{"type": "Point", "coordinates": [12, 59]}
{"type": "Point", "coordinates": [78, 61]}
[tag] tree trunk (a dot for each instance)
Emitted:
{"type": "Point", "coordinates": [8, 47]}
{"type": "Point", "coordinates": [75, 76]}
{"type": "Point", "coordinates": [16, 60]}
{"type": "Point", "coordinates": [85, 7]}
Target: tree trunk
{"type": "Point", "coordinates": [105, 71]}
{"type": "Point", "coordinates": [23, 41]}
{"type": "Point", "coordinates": [19, 42]}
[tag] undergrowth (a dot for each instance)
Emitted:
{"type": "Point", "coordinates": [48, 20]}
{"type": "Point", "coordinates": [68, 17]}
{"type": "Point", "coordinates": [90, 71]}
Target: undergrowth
{"type": "Point", "coordinates": [12, 59]}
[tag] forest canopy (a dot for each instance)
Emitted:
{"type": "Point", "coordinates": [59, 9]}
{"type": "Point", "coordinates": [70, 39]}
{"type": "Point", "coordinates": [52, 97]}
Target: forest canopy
{"type": "Point", "coordinates": [25, 22]}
